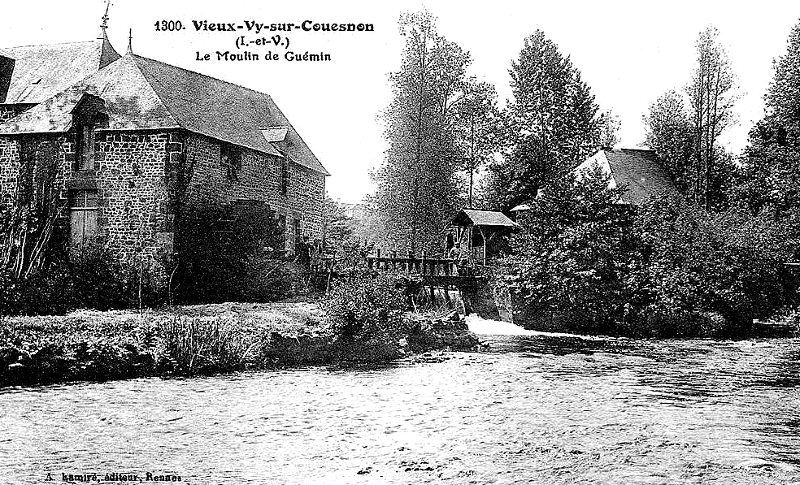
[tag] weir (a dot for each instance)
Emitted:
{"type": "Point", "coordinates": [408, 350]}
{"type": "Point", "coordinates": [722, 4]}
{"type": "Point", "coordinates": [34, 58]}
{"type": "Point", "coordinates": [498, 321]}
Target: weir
{"type": "Point", "coordinates": [444, 274]}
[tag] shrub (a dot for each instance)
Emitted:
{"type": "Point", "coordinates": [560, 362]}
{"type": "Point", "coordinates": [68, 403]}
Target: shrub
{"type": "Point", "coordinates": [668, 269]}
{"type": "Point", "coordinates": [231, 253]}
{"type": "Point", "coordinates": [89, 277]}
{"type": "Point", "coordinates": [727, 265]}
{"type": "Point", "coordinates": [567, 266]}
{"type": "Point", "coordinates": [365, 306]}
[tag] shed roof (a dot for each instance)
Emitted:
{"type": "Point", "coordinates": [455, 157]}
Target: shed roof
{"type": "Point", "coordinates": [142, 93]}
{"type": "Point", "coordinates": [41, 71]}
{"type": "Point", "coordinates": [637, 169]}
{"type": "Point", "coordinates": [474, 217]}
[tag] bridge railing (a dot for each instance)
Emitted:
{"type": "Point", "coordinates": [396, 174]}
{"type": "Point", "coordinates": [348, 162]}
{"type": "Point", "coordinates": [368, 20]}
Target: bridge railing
{"type": "Point", "coordinates": [412, 264]}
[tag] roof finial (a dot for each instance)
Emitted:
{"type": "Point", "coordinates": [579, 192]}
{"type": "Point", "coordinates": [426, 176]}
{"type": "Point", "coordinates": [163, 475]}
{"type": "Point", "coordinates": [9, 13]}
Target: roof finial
{"type": "Point", "coordinates": [130, 41]}
{"type": "Point", "coordinates": [104, 23]}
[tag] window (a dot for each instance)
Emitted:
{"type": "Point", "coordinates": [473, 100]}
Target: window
{"type": "Point", "coordinates": [82, 216]}
{"type": "Point", "coordinates": [296, 235]}
{"type": "Point", "coordinates": [84, 147]}
{"type": "Point", "coordinates": [231, 160]}
{"type": "Point", "coordinates": [285, 177]}
{"type": "Point", "coordinates": [88, 115]}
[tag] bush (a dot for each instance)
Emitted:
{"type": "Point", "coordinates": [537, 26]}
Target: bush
{"type": "Point", "coordinates": [89, 277]}
{"type": "Point", "coordinates": [364, 307]}
{"type": "Point", "coordinates": [231, 253]}
{"type": "Point", "coordinates": [567, 266]}
{"type": "Point", "coordinates": [726, 266]}
{"type": "Point", "coordinates": [668, 269]}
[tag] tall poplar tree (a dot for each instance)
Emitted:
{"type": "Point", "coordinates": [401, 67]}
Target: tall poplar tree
{"type": "Point", "coordinates": [479, 131]}
{"type": "Point", "coordinates": [418, 190]}
{"type": "Point", "coordinates": [712, 96]}
{"type": "Point", "coordinates": [685, 135]}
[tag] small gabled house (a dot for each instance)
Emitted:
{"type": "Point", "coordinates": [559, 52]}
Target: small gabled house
{"type": "Point", "coordinates": [475, 230]}
{"type": "Point", "coordinates": [637, 170]}
{"type": "Point", "coordinates": [129, 140]}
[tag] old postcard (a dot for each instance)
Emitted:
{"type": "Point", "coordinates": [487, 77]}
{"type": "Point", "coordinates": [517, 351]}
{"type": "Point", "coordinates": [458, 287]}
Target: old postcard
{"type": "Point", "coordinates": [357, 242]}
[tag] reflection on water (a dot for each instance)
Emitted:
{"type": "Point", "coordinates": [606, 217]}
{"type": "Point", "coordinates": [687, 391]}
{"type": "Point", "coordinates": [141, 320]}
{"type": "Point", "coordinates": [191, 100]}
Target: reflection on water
{"type": "Point", "coordinates": [534, 408]}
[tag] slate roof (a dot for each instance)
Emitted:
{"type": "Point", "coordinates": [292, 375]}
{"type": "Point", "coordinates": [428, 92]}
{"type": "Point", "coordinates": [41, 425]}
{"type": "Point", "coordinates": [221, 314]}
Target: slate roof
{"type": "Point", "coordinates": [142, 93]}
{"type": "Point", "coordinates": [637, 169]}
{"type": "Point", "coordinates": [41, 71]}
{"type": "Point", "coordinates": [482, 218]}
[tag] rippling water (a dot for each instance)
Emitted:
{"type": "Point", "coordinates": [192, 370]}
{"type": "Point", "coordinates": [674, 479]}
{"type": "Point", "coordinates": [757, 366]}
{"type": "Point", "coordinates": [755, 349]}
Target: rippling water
{"type": "Point", "coordinates": [533, 409]}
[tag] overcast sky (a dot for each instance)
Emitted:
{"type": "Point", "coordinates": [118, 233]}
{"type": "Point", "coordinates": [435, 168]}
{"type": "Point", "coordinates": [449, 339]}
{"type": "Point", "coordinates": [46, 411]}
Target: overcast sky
{"type": "Point", "coordinates": [628, 51]}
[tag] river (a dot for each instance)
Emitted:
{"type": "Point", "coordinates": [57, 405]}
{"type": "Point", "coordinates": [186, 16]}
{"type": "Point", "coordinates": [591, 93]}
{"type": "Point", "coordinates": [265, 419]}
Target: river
{"type": "Point", "coordinates": [534, 408]}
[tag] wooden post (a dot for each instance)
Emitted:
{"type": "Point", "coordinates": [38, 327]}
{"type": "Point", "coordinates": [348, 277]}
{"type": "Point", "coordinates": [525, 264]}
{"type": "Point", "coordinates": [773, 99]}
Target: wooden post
{"type": "Point", "coordinates": [469, 243]}
{"type": "Point", "coordinates": [394, 259]}
{"type": "Point", "coordinates": [423, 262]}
{"type": "Point", "coordinates": [485, 243]}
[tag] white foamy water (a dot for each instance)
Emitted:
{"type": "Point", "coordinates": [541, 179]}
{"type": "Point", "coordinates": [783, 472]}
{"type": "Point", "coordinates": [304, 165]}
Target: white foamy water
{"type": "Point", "coordinates": [482, 326]}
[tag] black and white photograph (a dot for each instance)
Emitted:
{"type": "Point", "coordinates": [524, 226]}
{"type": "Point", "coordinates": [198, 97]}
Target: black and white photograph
{"type": "Point", "coordinates": [412, 242]}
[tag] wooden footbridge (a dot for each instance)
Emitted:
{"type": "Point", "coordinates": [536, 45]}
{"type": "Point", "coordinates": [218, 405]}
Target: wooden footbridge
{"type": "Point", "coordinates": [433, 272]}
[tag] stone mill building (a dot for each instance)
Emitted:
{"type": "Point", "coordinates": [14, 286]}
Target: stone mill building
{"type": "Point", "coordinates": [124, 140]}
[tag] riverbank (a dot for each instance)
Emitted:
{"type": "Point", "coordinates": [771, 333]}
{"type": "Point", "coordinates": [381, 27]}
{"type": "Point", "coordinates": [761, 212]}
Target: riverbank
{"type": "Point", "coordinates": [203, 340]}
{"type": "Point", "coordinates": [533, 408]}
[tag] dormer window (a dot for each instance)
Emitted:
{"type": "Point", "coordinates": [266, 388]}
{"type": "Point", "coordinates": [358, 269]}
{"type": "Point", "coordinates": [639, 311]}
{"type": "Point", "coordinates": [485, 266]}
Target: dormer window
{"type": "Point", "coordinates": [88, 115]}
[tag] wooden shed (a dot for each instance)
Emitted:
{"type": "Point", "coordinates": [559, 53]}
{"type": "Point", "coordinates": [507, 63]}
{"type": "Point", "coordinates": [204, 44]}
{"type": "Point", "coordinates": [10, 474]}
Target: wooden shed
{"type": "Point", "coordinates": [475, 231]}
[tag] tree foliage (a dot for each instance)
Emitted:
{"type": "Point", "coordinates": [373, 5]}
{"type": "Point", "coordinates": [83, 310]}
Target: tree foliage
{"type": "Point", "coordinates": [478, 126]}
{"type": "Point", "coordinates": [609, 125]}
{"type": "Point", "coordinates": [770, 174]}
{"type": "Point", "coordinates": [685, 135]}
{"type": "Point", "coordinates": [583, 263]}
{"type": "Point", "coordinates": [566, 265]}
{"type": "Point", "coordinates": [553, 122]}
{"type": "Point", "coordinates": [671, 134]}
{"type": "Point", "coordinates": [712, 96]}
{"type": "Point", "coordinates": [342, 238]}
{"type": "Point", "coordinates": [696, 264]}
{"type": "Point", "coordinates": [417, 183]}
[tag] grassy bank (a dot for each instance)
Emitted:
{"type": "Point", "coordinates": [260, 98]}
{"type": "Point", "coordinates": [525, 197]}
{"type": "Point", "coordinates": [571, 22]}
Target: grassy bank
{"type": "Point", "coordinates": [206, 339]}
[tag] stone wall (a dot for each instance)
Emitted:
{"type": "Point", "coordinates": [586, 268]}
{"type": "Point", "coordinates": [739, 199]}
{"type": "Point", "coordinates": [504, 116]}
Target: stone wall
{"type": "Point", "coordinates": [141, 177]}
{"type": "Point", "coordinates": [257, 178]}
{"type": "Point", "coordinates": [130, 175]}
{"type": "Point", "coordinates": [9, 168]}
